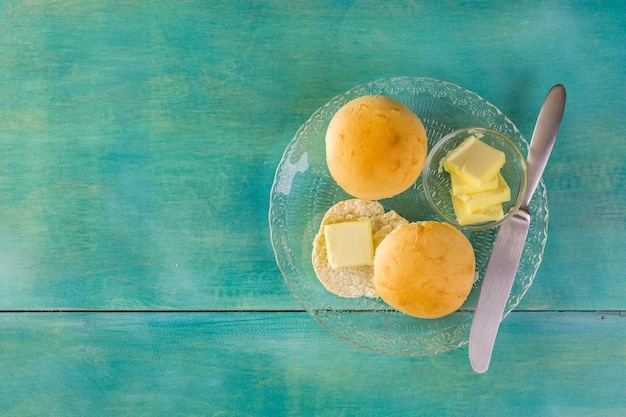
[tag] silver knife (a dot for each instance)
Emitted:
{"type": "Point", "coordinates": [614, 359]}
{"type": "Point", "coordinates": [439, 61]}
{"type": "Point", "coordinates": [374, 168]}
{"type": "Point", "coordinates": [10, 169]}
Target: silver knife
{"type": "Point", "coordinates": [511, 237]}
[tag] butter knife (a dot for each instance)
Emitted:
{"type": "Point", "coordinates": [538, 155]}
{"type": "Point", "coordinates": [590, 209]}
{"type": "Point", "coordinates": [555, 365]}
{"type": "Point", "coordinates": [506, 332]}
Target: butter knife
{"type": "Point", "coordinates": [511, 237]}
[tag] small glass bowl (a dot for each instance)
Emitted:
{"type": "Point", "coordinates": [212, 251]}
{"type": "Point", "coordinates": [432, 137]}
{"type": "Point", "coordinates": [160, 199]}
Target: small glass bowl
{"type": "Point", "coordinates": [436, 180]}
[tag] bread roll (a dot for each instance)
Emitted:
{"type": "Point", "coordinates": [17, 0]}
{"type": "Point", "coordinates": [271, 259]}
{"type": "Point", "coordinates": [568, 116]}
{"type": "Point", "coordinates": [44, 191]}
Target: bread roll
{"type": "Point", "coordinates": [424, 269]}
{"type": "Point", "coordinates": [375, 147]}
{"type": "Point", "coordinates": [353, 281]}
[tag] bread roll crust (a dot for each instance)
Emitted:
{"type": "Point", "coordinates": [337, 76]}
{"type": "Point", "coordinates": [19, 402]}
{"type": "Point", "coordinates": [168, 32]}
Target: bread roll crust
{"type": "Point", "coordinates": [424, 269]}
{"type": "Point", "coordinates": [375, 147]}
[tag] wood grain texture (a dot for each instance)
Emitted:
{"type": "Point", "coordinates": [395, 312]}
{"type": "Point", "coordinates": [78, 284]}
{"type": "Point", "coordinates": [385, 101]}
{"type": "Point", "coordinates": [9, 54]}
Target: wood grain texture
{"type": "Point", "coordinates": [139, 141]}
{"type": "Point", "coordinates": [284, 364]}
{"type": "Point", "coordinates": [138, 144]}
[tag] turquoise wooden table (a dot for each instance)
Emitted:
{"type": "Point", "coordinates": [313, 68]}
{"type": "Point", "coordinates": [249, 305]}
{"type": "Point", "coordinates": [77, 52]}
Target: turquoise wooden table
{"type": "Point", "coordinates": [138, 145]}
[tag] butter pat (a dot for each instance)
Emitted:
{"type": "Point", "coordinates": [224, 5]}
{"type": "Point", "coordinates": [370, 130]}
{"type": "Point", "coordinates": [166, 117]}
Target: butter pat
{"type": "Point", "coordinates": [474, 162]}
{"type": "Point", "coordinates": [465, 216]}
{"type": "Point", "coordinates": [478, 188]}
{"type": "Point", "coordinates": [349, 244]}
{"type": "Point", "coordinates": [480, 201]}
{"type": "Point", "coordinates": [460, 187]}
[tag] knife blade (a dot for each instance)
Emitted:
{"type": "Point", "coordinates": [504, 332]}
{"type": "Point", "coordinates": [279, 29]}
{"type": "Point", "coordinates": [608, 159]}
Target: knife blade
{"type": "Point", "coordinates": [511, 237]}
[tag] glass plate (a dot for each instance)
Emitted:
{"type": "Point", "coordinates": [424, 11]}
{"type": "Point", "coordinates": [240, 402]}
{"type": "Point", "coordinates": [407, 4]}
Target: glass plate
{"type": "Point", "coordinates": [303, 191]}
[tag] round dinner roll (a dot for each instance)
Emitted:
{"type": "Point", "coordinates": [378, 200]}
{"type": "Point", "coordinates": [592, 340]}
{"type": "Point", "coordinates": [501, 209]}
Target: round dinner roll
{"type": "Point", "coordinates": [375, 147]}
{"type": "Point", "coordinates": [352, 281]}
{"type": "Point", "coordinates": [424, 269]}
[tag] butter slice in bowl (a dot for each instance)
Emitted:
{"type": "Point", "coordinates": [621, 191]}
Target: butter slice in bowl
{"type": "Point", "coordinates": [475, 162]}
{"type": "Point", "coordinates": [466, 216]}
{"type": "Point", "coordinates": [481, 200]}
{"type": "Point", "coordinates": [461, 187]}
{"type": "Point", "coordinates": [475, 178]}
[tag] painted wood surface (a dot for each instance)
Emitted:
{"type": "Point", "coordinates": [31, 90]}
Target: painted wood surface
{"type": "Point", "coordinates": [139, 141]}
{"type": "Point", "coordinates": [284, 364]}
{"type": "Point", "coordinates": [138, 144]}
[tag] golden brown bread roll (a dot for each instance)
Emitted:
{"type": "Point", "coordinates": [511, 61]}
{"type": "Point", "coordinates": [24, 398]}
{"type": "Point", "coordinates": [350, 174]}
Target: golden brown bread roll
{"type": "Point", "coordinates": [424, 269]}
{"type": "Point", "coordinates": [375, 147]}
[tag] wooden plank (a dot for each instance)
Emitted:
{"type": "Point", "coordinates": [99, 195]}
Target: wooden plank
{"type": "Point", "coordinates": [139, 141]}
{"type": "Point", "coordinates": [278, 364]}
